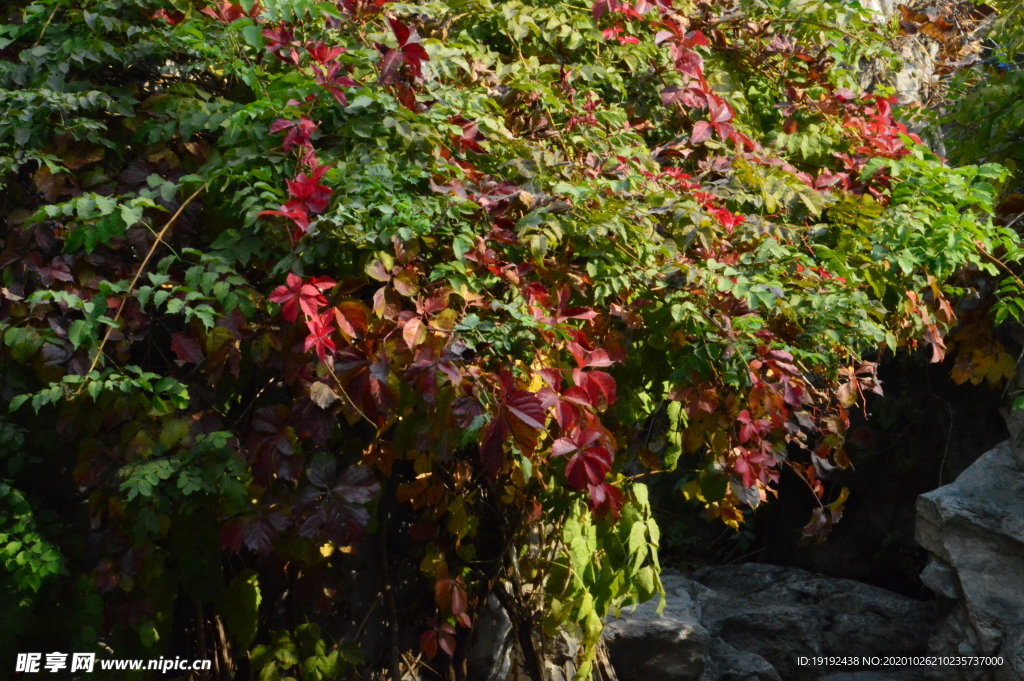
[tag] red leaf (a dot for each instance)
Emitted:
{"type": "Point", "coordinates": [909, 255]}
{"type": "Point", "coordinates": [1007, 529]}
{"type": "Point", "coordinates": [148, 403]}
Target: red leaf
{"type": "Point", "coordinates": [415, 55]}
{"type": "Point", "coordinates": [688, 62]}
{"type": "Point", "coordinates": [408, 43]}
{"type": "Point", "coordinates": [298, 131]}
{"type": "Point", "coordinates": [459, 601]}
{"type": "Point", "coordinates": [226, 12]}
{"type": "Point", "coordinates": [446, 641]}
{"type": "Point", "coordinates": [579, 440]}
{"type": "Point", "coordinates": [604, 500]}
{"type": "Point", "coordinates": [295, 295]}
{"type": "Point", "coordinates": [525, 418]}
{"type": "Point", "coordinates": [389, 64]}
{"type": "Point", "coordinates": [187, 349]}
{"type": "Point", "coordinates": [287, 296]}
{"type": "Point", "coordinates": [279, 38]}
{"type": "Point", "coordinates": [578, 395]}
{"type": "Point", "coordinates": [255, 532]}
{"type": "Point", "coordinates": [334, 78]}
{"type": "Point", "coordinates": [567, 416]}
{"type": "Point", "coordinates": [520, 414]}
{"type": "Point", "coordinates": [492, 447]}
{"type": "Point", "coordinates": [591, 358]}
{"type": "Point", "coordinates": [565, 312]}
{"type": "Point", "coordinates": [173, 18]}
{"type": "Point", "coordinates": [423, 374]}
{"type": "Point", "coordinates": [307, 193]}
{"type": "Point", "coordinates": [320, 329]}
{"type": "Point", "coordinates": [321, 53]}
{"type": "Point", "coordinates": [281, 124]}
{"type": "Point", "coordinates": [297, 215]}
{"type": "Point", "coordinates": [401, 31]}
{"type": "Point", "coordinates": [697, 38]}
{"type": "Point", "coordinates": [702, 132]}
{"type": "Point", "coordinates": [428, 643]}
{"type": "Point", "coordinates": [794, 394]}
{"type": "Point", "coordinates": [332, 503]}
{"type": "Point", "coordinates": [450, 595]}
{"type": "Point", "coordinates": [720, 110]}
{"type": "Point", "coordinates": [588, 467]}
{"type": "Point", "coordinates": [352, 318]}
{"type": "Point", "coordinates": [599, 386]}
{"type": "Point", "coordinates": [465, 409]}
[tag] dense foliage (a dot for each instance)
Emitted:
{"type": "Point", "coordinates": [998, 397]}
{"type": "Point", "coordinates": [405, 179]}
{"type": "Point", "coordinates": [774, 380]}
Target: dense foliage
{"type": "Point", "coordinates": [322, 320]}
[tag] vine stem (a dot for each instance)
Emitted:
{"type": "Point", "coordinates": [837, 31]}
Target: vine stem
{"type": "Point", "coordinates": [45, 26]}
{"type": "Point", "coordinates": [800, 474]}
{"type": "Point", "coordinates": [1002, 264]}
{"type": "Point", "coordinates": [138, 274]}
{"type": "Point", "coordinates": [351, 402]}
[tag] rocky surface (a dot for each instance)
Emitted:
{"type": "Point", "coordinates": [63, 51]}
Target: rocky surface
{"type": "Point", "coordinates": [918, 54]}
{"type": "Point", "coordinates": [974, 531]}
{"type": "Point", "coordinates": [490, 646]}
{"type": "Point", "coordinates": [752, 623]}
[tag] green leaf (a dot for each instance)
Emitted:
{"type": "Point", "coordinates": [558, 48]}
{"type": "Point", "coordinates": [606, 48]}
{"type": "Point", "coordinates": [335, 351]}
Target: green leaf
{"type": "Point", "coordinates": [238, 605]}
{"type": "Point", "coordinates": [149, 635]}
{"type": "Point", "coordinates": [78, 329]}
{"type": "Point", "coordinates": [23, 341]}
{"type": "Point", "coordinates": [17, 402]}
{"type": "Point", "coordinates": [253, 35]}
{"type": "Point", "coordinates": [130, 214]}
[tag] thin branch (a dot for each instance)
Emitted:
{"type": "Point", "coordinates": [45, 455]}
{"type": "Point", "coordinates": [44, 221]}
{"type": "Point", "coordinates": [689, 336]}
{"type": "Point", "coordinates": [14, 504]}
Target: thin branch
{"type": "Point", "coordinates": [138, 274]}
{"type": "Point", "coordinates": [351, 402]}
{"type": "Point", "coordinates": [1001, 264]}
{"type": "Point", "coordinates": [45, 26]}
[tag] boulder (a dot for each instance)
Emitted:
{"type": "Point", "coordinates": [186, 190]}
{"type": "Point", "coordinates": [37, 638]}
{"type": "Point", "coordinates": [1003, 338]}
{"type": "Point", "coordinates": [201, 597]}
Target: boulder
{"type": "Point", "coordinates": [644, 646]}
{"type": "Point", "coordinates": [489, 657]}
{"type": "Point", "coordinates": [783, 613]}
{"type": "Point", "coordinates": [973, 529]}
{"type": "Point", "coordinates": [752, 623]}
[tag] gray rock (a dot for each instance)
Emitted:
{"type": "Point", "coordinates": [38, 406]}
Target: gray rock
{"type": "Point", "coordinates": [488, 658]}
{"type": "Point", "coordinates": [918, 54]}
{"type": "Point", "coordinates": [729, 664]}
{"type": "Point", "coordinates": [752, 622]}
{"type": "Point", "coordinates": [782, 613]}
{"type": "Point", "coordinates": [939, 577]}
{"type": "Point", "coordinates": [974, 529]}
{"type": "Point", "coordinates": [883, 7]}
{"type": "Point", "coordinates": [672, 647]}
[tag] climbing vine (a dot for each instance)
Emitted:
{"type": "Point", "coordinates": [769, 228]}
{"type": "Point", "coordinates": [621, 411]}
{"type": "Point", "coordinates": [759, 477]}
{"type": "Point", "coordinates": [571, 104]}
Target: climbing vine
{"type": "Point", "coordinates": [327, 324]}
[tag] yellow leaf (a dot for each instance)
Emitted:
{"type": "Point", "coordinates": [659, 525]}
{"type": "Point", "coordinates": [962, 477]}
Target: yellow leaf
{"type": "Point", "coordinates": [650, 459]}
{"type": "Point", "coordinates": [691, 491]}
{"type": "Point", "coordinates": [837, 505]}
{"type": "Point", "coordinates": [1000, 369]}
